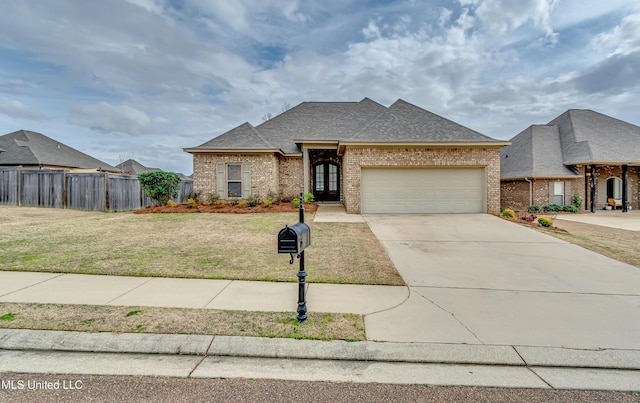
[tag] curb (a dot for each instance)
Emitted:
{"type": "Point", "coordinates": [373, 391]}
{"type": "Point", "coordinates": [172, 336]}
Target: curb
{"type": "Point", "coordinates": [257, 347]}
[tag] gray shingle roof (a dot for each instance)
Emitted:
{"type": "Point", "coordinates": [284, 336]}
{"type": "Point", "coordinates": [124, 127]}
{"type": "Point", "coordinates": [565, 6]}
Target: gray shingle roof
{"type": "Point", "coordinates": [25, 147]}
{"type": "Point", "coordinates": [361, 121]}
{"type": "Point", "coordinates": [534, 153]}
{"type": "Point", "coordinates": [591, 137]}
{"type": "Point", "coordinates": [403, 121]}
{"type": "Point", "coordinates": [134, 167]}
{"type": "Point", "coordinates": [576, 137]}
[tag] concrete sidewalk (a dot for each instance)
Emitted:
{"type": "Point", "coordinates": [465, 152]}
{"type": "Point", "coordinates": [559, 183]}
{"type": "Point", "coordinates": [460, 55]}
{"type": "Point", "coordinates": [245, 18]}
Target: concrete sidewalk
{"type": "Point", "coordinates": [57, 288]}
{"type": "Point", "coordinates": [614, 219]}
{"type": "Point", "coordinates": [418, 328]}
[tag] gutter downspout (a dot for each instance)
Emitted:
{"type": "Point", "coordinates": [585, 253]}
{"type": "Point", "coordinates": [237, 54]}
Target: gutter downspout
{"type": "Point", "coordinates": [530, 190]}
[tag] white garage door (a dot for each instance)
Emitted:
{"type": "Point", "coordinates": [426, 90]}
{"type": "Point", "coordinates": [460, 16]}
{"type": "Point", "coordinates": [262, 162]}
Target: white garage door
{"type": "Point", "coordinates": [423, 190]}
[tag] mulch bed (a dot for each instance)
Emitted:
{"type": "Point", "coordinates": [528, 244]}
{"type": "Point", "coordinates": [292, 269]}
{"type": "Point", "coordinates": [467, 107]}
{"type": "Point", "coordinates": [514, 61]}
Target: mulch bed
{"type": "Point", "coordinates": [228, 208]}
{"type": "Point", "coordinates": [532, 222]}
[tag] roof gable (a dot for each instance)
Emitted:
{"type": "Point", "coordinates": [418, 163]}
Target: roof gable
{"type": "Point", "coordinates": [363, 121]}
{"type": "Point", "coordinates": [25, 147]}
{"type": "Point", "coordinates": [403, 121]}
{"type": "Point", "coordinates": [243, 136]}
{"type": "Point", "coordinates": [591, 137]}
{"type": "Point", "coordinates": [134, 167]}
{"type": "Point", "coordinates": [534, 153]}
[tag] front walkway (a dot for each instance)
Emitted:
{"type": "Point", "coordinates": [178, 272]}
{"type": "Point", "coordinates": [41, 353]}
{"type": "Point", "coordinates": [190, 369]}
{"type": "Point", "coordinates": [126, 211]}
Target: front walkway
{"type": "Point", "coordinates": [614, 219]}
{"type": "Point", "coordinates": [335, 213]}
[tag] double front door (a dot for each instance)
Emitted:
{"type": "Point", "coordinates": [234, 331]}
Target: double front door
{"type": "Point", "coordinates": [326, 181]}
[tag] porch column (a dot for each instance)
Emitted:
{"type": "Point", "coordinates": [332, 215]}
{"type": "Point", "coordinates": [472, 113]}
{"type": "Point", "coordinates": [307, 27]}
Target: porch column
{"type": "Point", "coordinates": [624, 188]}
{"type": "Point", "coordinates": [305, 164]}
{"type": "Point", "coordinates": [592, 185]}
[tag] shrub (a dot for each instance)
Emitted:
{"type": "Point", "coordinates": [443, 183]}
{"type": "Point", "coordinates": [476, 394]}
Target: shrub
{"type": "Point", "coordinates": [243, 204]}
{"type": "Point", "coordinates": [267, 203]}
{"type": "Point", "coordinates": [253, 200]}
{"type": "Point", "coordinates": [213, 198]}
{"type": "Point", "coordinates": [552, 208]}
{"type": "Point", "coordinates": [273, 197]}
{"type": "Point", "coordinates": [508, 213]}
{"type": "Point", "coordinates": [576, 201]}
{"type": "Point", "coordinates": [308, 198]}
{"type": "Point", "coordinates": [296, 202]}
{"type": "Point", "coordinates": [160, 186]}
{"type": "Point", "coordinates": [529, 218]}
{"type": "Point", "coordinates": [195, 195]}
{"type": "Point", "coordinates": [172, 204]}
{"type": "Point", "coordinates": [545, 222]}
{"type": "Point", "coordinates": [570, 209]}
{"type": "Point", "coordinates": [191, 203]}
{"type": "Point", "coordinates": [534, 209]}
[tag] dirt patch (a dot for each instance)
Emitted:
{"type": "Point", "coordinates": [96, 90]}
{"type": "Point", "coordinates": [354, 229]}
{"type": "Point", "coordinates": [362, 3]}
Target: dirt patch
{"type": "Point", "coordinates": [228, 208]}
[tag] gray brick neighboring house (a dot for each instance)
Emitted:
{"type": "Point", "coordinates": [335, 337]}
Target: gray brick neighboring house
{"type": "Point", "coordinates": [372, 158]}
{"type": "Point", "coordinates": [581, 152]}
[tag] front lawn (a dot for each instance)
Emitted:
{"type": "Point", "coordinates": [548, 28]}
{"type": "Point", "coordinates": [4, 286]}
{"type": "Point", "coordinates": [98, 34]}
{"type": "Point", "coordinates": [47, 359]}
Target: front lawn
{"type": "Point", "coordinates": [196, 245]}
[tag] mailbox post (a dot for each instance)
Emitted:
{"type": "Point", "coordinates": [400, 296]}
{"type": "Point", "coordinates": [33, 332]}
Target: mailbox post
{"type": "Point", "coordinates": [293, 240]}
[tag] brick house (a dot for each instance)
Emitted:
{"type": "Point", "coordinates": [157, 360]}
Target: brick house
{"type": "Point", "coordinates": [581, 152]}
{"type": "Point", "coordinates": [372, 158]}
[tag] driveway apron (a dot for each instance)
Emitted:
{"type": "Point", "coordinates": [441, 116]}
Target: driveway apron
{"type": "Point", "coordinates": [478, 279]}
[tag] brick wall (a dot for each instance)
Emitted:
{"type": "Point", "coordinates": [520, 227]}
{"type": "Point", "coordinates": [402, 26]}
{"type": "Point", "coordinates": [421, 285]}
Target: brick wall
{"type": "Point", "coordinates": [291, 177]}
{"type": "Point", "coordinates": [515, 194]}
{"type": "Point", "coordinates": [264, 172]}
{"type": "Point", "coordinates": [357, 157]}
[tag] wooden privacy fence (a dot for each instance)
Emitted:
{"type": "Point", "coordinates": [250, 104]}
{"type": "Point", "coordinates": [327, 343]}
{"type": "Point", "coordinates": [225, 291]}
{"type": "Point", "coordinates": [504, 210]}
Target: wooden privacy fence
{"type": "Point", "coordinates": [95, 191]}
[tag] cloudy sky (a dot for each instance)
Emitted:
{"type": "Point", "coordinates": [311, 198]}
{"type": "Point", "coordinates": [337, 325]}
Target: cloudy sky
{"type": "Point", "coordinates": [142, 79]}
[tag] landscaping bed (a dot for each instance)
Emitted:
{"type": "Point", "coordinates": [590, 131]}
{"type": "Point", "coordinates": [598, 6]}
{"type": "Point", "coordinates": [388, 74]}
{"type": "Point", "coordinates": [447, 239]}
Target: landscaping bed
{"type": "Point", "coordinates": [229, 208]}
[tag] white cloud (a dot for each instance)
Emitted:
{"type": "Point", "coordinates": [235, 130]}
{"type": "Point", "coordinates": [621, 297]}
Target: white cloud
{"type": "Point", "coordinates": [16, 109]}
{"type": "Point", "coordinates": [623, 39]}
{"type": "Point", "coordinates": [107, 118]}
{"type": "Point", "coordinates": [503, 16]}
{"type": "Point", "coordinates": [371, 31]}
{"type": "Point", "coordinates": [188, 71]}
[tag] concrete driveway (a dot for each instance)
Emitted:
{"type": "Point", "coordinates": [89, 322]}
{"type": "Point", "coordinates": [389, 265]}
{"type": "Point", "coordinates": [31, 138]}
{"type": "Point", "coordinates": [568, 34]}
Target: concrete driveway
{"type": "Point", "coordinates": [478, 279]}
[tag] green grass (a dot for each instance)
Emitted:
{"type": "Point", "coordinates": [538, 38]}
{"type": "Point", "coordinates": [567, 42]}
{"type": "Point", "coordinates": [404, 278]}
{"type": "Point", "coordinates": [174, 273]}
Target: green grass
{"type": "Point", "coordinates": [117, 319]}
{"type": "Point", "coordinates": [215, 246]}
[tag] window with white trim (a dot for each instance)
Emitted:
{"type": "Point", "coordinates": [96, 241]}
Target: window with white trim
{"type": "Point", "coordinates": [234, 180]}
{"type": "Point", "coordinates": [557, 193]}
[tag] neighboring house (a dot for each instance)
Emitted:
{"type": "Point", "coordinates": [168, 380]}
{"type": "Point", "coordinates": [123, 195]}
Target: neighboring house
{"type": "Point", "coordinates": [372, 158]}
{"type": "Point", "coordinates": [133, 167]}
{"type": "Point", "coordinates": [32, 150]}
{"type": "Point", "coordinates": [581, 152]}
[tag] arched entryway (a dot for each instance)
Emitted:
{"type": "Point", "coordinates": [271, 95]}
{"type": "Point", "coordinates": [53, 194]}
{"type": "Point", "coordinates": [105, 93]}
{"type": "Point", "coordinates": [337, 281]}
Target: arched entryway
{"type": "Point", "coordinates": [326, 181]}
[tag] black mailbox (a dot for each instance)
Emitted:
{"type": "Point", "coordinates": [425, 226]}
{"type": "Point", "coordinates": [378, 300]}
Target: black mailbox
{"type": "Point", "coordinates": [294, 239]}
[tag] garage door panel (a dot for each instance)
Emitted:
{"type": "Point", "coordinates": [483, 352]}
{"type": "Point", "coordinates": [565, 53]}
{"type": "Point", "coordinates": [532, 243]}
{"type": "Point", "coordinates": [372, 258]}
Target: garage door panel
{"type": "Point", "coordinates": [433, 190]}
